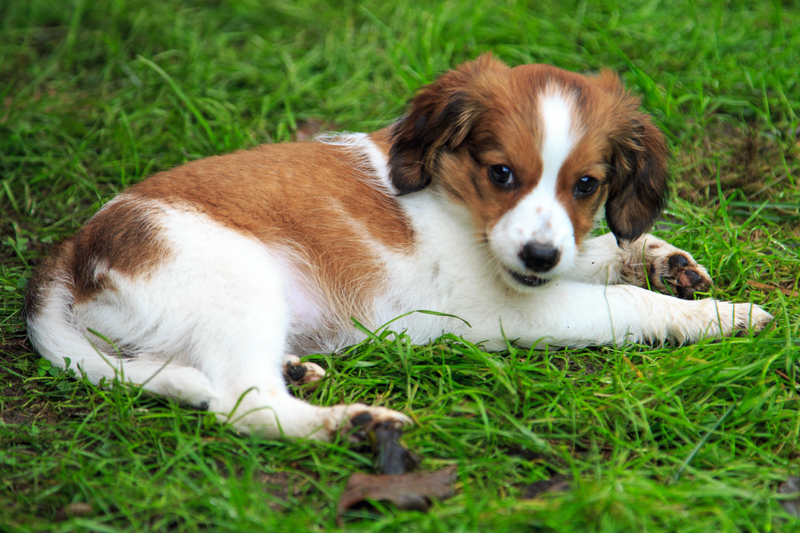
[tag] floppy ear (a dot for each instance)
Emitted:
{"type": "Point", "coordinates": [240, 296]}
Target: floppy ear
{"type": "Point", "coordinates": [440, 117]}
{"type": "Point", "coordinates": [638, 189]}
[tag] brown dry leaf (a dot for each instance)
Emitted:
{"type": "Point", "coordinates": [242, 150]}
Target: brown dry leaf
{"type": "Point", "coordinates": [791, 486]}
{"type": "Point", "coordinates": [409, 491]}
{"type": "Point", "coordinates": [767, 287]}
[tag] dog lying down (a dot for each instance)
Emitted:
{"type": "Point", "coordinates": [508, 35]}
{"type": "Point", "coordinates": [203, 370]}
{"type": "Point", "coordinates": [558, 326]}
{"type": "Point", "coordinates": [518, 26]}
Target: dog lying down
{"type": "Point", "coordinates": [477, 203]}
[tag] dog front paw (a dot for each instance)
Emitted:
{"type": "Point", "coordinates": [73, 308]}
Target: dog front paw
{"type": "Point", "coordinates": [660, 266]}
{"type": "Point", "coordinates": [681, 274]}
{"type": "Point", "coordinates": [747, 316]}
{"type": "Point", "coordinates": [712, 318]}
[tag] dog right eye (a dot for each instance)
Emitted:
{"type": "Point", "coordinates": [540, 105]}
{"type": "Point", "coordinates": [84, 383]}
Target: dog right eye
{"type": "Point", "coordinates": [501, 175]}
{"type": "Point", "coordinates": [585, 186]}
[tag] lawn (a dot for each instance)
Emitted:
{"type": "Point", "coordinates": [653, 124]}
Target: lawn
{"type": "Point", "coordinates": [96, 95]}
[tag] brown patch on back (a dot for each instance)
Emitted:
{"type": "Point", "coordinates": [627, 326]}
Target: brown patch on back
{"type": "Point", "coordinates": [123, 236]}
{"type": "Point", "coordinates": [48, 269]}
{"type": "Point", "coordinates": [314, 198]}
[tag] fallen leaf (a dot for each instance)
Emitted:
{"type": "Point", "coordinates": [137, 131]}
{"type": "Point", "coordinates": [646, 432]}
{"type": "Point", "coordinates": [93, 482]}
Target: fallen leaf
{"type": "Point", "coordinates": [409, 491]}
{"type": "Point", "coordinates": [537, 488]}
{"type": "Point", "coordinates": [791, 486]}
{"type": "Point", "coordinates": [767, 287]}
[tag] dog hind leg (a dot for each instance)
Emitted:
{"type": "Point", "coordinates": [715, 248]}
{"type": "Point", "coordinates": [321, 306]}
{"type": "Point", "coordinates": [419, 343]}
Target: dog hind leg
{"type": "Point", "coordinates": [220, 305]}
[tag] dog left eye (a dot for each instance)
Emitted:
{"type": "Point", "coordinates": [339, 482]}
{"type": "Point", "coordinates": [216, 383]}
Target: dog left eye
{"type": "Point", "coordinates": [585, 186]}
{"type": "Point", "coordinates": [501, 175]}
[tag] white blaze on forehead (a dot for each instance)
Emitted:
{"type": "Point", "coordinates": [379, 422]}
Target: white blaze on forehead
{"type": "Point", "coordinates": [539, 217]}
{"type": "Point", "coordinates": [557, 135]}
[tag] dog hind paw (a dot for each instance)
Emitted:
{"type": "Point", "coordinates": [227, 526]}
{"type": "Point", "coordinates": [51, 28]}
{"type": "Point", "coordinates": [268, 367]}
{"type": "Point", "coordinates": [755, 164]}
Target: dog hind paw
{"type": "Point", "coordinates": [298, 373]}
{"type": "Point", "coordinates": [357, 420]}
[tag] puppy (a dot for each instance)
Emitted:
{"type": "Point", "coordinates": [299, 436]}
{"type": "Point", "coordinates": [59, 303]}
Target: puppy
{"type": "Point", "coordinates": [196, 283]}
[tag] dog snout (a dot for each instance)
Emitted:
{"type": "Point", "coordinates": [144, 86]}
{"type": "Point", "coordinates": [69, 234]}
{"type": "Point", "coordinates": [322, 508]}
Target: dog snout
{"type": "Point", "coordinates": [539, 257]}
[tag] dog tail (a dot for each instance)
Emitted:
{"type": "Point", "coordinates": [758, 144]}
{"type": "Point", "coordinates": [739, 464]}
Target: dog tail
{"type": "Point", "coordinates": [55, 332]}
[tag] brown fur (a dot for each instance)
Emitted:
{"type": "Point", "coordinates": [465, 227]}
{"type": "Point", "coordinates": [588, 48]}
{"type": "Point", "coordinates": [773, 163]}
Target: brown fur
{"type": "Point", "coordinates": [308, 196]}
{"type": "Point", "coordinates": [637, 188]}
{"type": "Point", "coordinates": [47, 271]}
{"type": "Point", "coordinates": [123, 236]}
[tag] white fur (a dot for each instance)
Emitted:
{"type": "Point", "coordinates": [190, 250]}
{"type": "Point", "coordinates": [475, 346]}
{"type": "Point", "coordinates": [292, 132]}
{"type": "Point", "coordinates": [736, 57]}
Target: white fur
{"type": "Point", "coordinates": [213, 323]}
{"type": "Point", "coordinates": [540, 217]}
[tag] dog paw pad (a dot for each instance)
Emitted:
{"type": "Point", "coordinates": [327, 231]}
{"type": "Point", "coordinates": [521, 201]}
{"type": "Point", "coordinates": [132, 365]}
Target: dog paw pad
{"type": "Point", "coordinates": [684, 276]}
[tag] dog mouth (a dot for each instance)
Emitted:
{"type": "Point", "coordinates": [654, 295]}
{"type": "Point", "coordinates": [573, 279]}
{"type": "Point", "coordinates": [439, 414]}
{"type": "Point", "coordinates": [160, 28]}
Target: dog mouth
{"type": "Point", "coordinates": [529, 280]}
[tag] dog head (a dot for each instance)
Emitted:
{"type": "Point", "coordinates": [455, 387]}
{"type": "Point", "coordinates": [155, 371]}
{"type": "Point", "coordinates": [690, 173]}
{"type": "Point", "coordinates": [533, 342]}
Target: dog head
{"type": "Point", "coordinates": [533, 152]}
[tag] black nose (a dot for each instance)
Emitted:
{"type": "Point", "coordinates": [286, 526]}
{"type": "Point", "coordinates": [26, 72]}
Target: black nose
{"type": "Point", "coordinates": [539, 257]}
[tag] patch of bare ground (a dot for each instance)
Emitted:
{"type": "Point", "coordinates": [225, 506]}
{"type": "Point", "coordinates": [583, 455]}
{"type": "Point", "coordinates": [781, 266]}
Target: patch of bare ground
{"type": "Point", "coordinates": [19, 402]}
{"type": "Point", "coordinates": [15, 347]}
{"type": "Point", "coordinates": [744, 158]}
{"type": "Point", "coordinates": [284, 485]}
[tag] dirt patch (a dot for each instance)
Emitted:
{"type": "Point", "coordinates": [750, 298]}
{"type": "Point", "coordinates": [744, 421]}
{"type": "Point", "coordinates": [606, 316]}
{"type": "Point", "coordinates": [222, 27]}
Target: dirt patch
{"type": "Point", "coordinates": [744, 157]}
{"type": "Point", "coordinates": [24, 401]}
{"type": "Point", "coordinates": [557, 483]}
{"type": "Point", "coordinates": [283, 485]}
{"type": "Point", "coordinates": [20, 407]}
{"type": "Point", "coordinates": [15, 347]}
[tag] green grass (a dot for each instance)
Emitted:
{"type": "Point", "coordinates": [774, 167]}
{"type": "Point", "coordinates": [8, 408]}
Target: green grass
{"type": "Point", "coordinates": [97, 95]}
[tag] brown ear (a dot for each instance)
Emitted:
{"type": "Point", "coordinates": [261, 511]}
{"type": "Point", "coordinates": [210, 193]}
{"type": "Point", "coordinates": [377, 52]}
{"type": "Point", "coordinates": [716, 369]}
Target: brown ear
{"type": "Point", "coordinates": [638, 188]}
{"type": "Point", "coordinates": [440, 117]}
{"type": "Point", "coordinates": [638, 191]}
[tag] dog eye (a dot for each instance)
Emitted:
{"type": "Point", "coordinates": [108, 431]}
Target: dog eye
{"type": "Point", "coordinates": [585, 186]}
{"type": "Point", "coordinates": [501, 175]}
